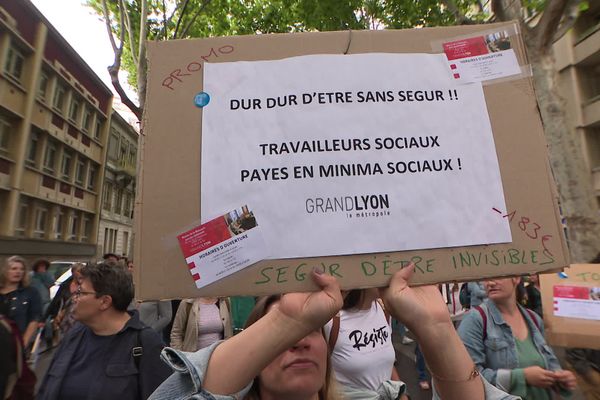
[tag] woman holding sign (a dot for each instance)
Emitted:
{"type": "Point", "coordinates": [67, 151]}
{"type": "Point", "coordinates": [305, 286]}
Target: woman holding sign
{"type": "Point", "coordinates": [283, 355]}
{"type": "Point", "coordinates": [506, 342]}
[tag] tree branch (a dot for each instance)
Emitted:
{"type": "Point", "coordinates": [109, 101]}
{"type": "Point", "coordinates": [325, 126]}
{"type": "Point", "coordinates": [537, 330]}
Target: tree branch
{"type": "Point", "coordinates": [164, 31]}
{"type": "Point", "coordinates": [108, 27]}
{"type": "Point", "coordinates": [114, 69]}
{"type": "Point", "coordinates": [570, 16]}
{"type": "Point", "coordinates": [205, 3]}
{"type": "Point", "coordinates": [129, 32]}
{"type": "Point", "coordinates": [461, 19]}
{"type": "Point", "coordinates": [114, 79]}
{"type": "Point", "coordinates": [180, 18]}
{"type": "Point", "coordinates": [507, 10]}
{"type": "Point", "coordinates": [545, 29]}
{"type": "Point", "coordinates": [164, 20]}
{"type": "Point", "coordinates": [141, 66]}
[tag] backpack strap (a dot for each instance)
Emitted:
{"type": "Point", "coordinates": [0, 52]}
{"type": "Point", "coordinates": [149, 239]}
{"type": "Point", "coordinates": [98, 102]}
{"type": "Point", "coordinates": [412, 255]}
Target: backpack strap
{"type": "Point", "coordinates": [137, 352]}
{"type": "Point", "coordinates": [333, 335]}
{"type": "Point", "coordinates": [533, 317]}
{"type": "Point", "coordinates": [387, 314]}
{"type": "Point", "coordinates": [484, 318]}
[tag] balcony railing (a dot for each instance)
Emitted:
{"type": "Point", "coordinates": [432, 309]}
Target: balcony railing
{"type": "Point", "coordinates": [125, 168]}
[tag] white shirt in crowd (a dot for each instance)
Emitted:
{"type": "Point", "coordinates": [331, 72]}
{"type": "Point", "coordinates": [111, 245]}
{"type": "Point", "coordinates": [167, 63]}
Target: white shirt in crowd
{"type": "Point", "coordinates": [363, 355]}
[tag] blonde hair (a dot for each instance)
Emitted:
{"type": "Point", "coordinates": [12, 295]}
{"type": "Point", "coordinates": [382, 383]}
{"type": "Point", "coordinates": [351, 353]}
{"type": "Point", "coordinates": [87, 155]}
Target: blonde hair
{"type": "Point", "coordinates": [76, 267]}
{"type": "Point", "coordinates": [6, 265]}
{"type": "Point", "coordinates": [327, 392]}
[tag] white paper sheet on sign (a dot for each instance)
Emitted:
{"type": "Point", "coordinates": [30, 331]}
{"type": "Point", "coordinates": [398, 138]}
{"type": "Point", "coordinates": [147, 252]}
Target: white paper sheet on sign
{"type": "Point", "coordinates": [437, 186]}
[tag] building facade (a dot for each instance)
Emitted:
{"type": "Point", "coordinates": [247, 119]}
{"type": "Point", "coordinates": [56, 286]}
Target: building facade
{"type": "Point", "coordinates": [54, 126]}
{"type": "Point", "coordinates": [578, 65]}
{"type": "Point", "coordinates": [115, 234]}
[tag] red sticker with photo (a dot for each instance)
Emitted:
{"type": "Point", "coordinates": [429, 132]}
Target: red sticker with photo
{"type": "Point", "coordinates": [222, 246]}
{"type": "Point", "coordinates": [465, 48]}
{"type": "Point", "coordinates": [481, 58]}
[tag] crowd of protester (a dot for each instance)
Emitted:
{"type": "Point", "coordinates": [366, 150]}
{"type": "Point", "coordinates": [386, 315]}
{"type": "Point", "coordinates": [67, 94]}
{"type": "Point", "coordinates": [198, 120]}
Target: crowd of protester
{"type": "Point", "coordinates": [478, 340]}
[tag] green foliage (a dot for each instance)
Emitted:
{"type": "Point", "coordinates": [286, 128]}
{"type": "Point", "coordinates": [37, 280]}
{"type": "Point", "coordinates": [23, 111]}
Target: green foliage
{"type": "Point", "coordinates": [534, 6]}
{"type": "Point", "coordinates": [206, 18]}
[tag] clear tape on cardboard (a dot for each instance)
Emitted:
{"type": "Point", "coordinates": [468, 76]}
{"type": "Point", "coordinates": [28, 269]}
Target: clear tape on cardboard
{"type": "Point", "coordinates": [170, 241]}
{"type": "Point", "coordinates": [514, 34]}
{"type": "Point", "coordinates": [172, 255]}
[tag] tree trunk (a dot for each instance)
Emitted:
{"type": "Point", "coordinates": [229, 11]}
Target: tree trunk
{"type": "Point", "coordinates": [577, 200]}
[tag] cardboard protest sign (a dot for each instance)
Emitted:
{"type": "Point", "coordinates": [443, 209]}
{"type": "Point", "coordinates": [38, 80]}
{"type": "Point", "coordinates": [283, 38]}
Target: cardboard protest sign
{"type": "Point", "coordinates": [571, 304]}
{"type": "Point", "coordinates": [356, 163]}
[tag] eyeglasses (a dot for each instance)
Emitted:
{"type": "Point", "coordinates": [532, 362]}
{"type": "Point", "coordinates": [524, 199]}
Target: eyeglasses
{"type": "Point", "coordinates": [79, 292]}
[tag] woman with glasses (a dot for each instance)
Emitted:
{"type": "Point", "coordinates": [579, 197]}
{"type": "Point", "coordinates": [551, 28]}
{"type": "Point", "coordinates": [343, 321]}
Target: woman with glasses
{"type": "Point", "coordinates": [109, 353]}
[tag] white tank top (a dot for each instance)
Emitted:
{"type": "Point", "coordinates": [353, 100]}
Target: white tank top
{"type": "Point", "coordinates": [363, 356]}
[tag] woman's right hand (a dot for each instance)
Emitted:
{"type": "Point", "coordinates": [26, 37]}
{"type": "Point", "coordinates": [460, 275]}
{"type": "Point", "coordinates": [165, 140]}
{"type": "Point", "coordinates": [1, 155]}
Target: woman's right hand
{"type": "Point", "coordinates": [538, 376]}
{"type": "Point", "coordinates": [313, 310]}
{"type": "Point", "coordinates": [419, 308]}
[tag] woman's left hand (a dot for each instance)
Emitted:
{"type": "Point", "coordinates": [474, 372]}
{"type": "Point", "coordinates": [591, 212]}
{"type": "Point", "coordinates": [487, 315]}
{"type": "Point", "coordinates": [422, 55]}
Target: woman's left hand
{"type": "Point", "coordinates": [566, 379]}
{"type": "Point", "coordinates": [313, 310]}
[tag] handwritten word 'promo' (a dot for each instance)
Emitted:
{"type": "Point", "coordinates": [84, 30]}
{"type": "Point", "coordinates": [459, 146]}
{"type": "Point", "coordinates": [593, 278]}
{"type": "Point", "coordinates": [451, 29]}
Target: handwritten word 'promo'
{"type": "Point", "coordinates": [178, 75]}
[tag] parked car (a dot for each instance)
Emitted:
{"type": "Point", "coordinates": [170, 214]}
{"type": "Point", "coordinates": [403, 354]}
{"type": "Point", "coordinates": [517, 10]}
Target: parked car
{"type": "Point", "coordinates": [57, 268]}
{"type": "Point", "coordinates": [60, 271]}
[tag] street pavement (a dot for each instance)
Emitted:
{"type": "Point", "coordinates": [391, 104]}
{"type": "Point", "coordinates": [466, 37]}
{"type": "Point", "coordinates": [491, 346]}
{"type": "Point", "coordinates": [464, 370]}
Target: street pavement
{"type": "Point", "coordinates": [407, 368]}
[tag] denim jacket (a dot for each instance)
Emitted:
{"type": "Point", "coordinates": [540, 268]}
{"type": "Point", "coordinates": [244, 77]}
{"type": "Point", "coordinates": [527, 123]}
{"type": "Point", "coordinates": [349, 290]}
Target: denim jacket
{"type": "Point", "coordinates": [190, 368]}
{"type": "Point", "coordinates": [496, 356]}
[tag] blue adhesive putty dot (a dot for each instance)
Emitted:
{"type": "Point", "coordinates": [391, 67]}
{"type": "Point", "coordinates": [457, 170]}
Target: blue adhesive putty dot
{"type": "Point", "coordinates": [201, 99]}
{"type": "Point", "coordinates": [563, 275]}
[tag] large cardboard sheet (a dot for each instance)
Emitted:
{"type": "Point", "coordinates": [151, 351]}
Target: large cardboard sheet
{"type": "Point", "coordinates": [571, 306]}
{"type": "Point", "coordinates": [350, 145]}
{"type": "Point", "coordinates": [169, 196]}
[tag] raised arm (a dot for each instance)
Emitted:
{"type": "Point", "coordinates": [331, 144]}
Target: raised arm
{"type": "Point", "coordinates": [424, 312]}
{"type": "Point", "coordinates": [246, 354]}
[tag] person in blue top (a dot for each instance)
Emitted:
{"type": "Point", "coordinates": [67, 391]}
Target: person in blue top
{"type": "Point", "coordinates": [506, 342]}
{"type": "Point", "coordinates": [22, 299]}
